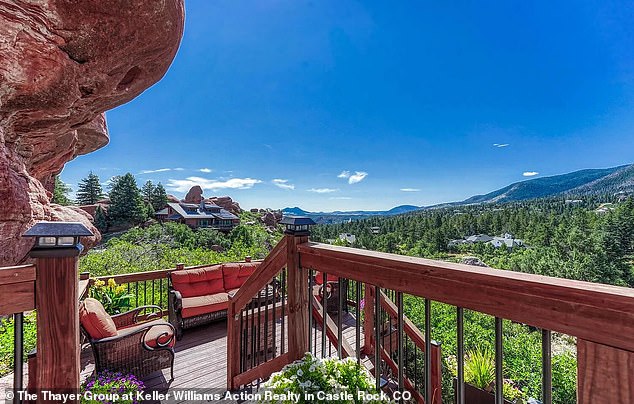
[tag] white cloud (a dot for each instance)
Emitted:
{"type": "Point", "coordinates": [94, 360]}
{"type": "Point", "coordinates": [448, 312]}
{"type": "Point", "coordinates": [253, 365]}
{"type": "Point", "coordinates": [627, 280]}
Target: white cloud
{"type": "Point", "coordinates": [205, 170]}
{"type": "Point", "coordinates": [358, 176]}
{"type": "Point", "coordinates": [344, 174]}
{"type": "Point", "coordinates": [530, 173]}
{"type": "Point", "coordinates": [280, 183]}
{"type": "Point", "coordinates": [160, 170]}
{"type": "Point", "coordinates": [499, 145]}
{"type": "Point", "coordinates": [179, 169]}
{"type": "Point", "coordinates": [323, 190]}
{"type": "Point", "coordinates": [410, 189]}
{"type": "Point", "coordinates": [212, 184]}
{"type": "Point", "coordinates": [342, 198]}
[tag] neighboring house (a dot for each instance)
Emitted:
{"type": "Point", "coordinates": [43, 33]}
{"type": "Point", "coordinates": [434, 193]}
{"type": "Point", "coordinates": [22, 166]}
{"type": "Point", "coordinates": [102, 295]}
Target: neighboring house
{"type": "Point", "coordinates": [203, 215]}
{"type": "Point", "coordinates": [605, 208]}
{"type": "Point", "coordinates": [375, 230]}
{"type": "Point", "coordinates": [350, 238]}
{"type": "Point", "coordinates": [478, 238]}
{"type": "Point", "coordinates": [507, 240]}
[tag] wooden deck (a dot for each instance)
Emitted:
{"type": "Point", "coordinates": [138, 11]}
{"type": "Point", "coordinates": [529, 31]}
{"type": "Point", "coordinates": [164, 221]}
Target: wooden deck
{"type": "Point", "coordinates": [200, 364]}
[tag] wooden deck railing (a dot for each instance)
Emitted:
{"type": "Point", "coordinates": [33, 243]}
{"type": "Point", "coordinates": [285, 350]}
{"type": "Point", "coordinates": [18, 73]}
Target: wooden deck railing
{"type": "Point", "coordinates": [18, 283]}
{"type": "Point", "coordinates": [600, 316]}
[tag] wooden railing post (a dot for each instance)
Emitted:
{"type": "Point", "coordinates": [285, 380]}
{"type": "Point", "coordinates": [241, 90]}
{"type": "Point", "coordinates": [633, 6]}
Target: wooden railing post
{"type": "Point", "coordinates": [368, 319]}
{"type": "Point", "coordinates": [233, 345]}
{"type": "Point", "coordinates": [297, 298]}
{"type": "Point", "coordinates": [604, 374]}
{"type": "Point", "coordinates": [56, 250]}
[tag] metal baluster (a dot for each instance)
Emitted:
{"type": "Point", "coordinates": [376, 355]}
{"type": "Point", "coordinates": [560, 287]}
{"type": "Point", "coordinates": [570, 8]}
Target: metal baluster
{"type": "Point", "coordinates": [242, 353]}
{"type": "Point", "coordinates": [152, 291]}
{"type": "Point", "coordinates": [145, 293]}
{"type": "Point", "coordinates": [136, 293]}
{"type": "Point", "coordinates": [358, 323]}
{"type": "Point", "coordinates": [415, 363]}
{"type": "Point", "coordinates": [547, 370]}
{"type": "Point", "coordinates": [499, 354]}
{"type": "Point", "coordinates": [18, 355]}
{"type": "Point", "coordinates": [274, 330]}
{"type": "Point", "coordinates": [340, 318]}
{"type": "Point", "coordinates": [283, 319]}
{"type": "Point", "coordinates": [266, 324]}
{"type": "Point", "coordinates": [324, 302]}
{"type": "Point", "coordinates": [310, 309]}
{"type": "Point", "coordinates": [259, 326]}
{"type": "Point", "coordinates": [401, 365]}
{"type": "Point", "coordinates": [460, 399]}
{"type": "Point", "coordinates": [253, 336]}
{"type": "Point", "coordinates": [377, 336]}
{"type": "Point", "coordinates": [161, 292]}
{"type": "Point", "coordinates": [427, 351]}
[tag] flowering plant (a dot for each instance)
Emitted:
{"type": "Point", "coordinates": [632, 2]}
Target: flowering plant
{"type": "Point", "coordinates": [315, 380]}
{"type": "Point", "coordinates": [110, 387]}
{"type": "Point", "coordinates": [114, 298]}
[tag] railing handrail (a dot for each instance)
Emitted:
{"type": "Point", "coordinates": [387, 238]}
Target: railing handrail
{"type": "Point", "coordinates": [151, 275]}
{"type": "Point", "coordinates": [409, 328]}
{"type": "Point", "coordinates": [599, 313]}
{"type": "Point", "coordinates": [264, 274]}
{"type": "Point", "coordinates": [19, 283]}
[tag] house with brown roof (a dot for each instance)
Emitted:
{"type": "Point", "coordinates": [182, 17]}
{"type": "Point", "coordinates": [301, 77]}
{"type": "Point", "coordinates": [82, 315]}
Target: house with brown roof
{"type": "Point", "coordinates": [202, 215]}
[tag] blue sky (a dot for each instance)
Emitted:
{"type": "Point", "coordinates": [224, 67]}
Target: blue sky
{"type": "Point", "coordinates": [340, 105]}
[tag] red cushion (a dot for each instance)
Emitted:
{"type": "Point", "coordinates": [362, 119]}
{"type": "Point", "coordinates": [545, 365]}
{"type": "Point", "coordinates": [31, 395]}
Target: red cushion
{"type": "Point", "coordinates": [195, 306]}
{"type": "Point", "coordinates": [160, 331]}
{"type": "Point", "coordinates": [199, 281]}
{"type": "Point", "coordinates": [235, 274]}
{"type": "Point", "coordinates": [319, 278]}
{"type": "Point", "coordinates": [93, 317]}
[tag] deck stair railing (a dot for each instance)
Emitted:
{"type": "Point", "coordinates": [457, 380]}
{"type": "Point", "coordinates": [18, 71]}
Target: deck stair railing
{"type": "Point", "coordinates": [257, 322]}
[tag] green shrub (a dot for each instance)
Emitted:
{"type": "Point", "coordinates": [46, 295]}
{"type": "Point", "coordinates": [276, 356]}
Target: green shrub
{"type": "Point", "coordinates": [7, 342]}
{"type": "Point", "coordinates": [114, 298]}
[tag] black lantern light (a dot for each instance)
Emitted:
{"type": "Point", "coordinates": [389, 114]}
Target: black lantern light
{"type": "Point", "coordinates": [297, 226]}
{"type": "Point", "coordinates": [57, 238]}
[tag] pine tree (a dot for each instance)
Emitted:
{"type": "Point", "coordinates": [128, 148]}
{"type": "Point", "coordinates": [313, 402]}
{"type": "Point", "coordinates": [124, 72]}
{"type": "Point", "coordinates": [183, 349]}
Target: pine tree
{"type": "Point", "coordinates": [60, 193]}
{"type": "Point", "coordinates": [159, 199]}
{"type": "Point", "coordinates": [101, 221]}
{"type": "Point", "coordinates": [89, 190]}
{"type": "Point", "coordinates": [126, 202]}
{"type": "Point", "coordinates": [147, 191]}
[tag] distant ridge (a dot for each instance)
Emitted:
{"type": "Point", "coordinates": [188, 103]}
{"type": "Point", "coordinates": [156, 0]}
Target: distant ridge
{"type": "Point", "coordinates": [578, 183]}
{"type": "Point", "coordinates": [582, 182]}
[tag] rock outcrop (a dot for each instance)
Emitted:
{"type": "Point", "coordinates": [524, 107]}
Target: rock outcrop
{"type": "Point", "coordinates": [271, 218]}
{"type": "Point", "coordinates": [195, 195]}
{"type": "Point", "coordinates": [62, 64]}
{"type": "Point", "coordinates": [226, 203]}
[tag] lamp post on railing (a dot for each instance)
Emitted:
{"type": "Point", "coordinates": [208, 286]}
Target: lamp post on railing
{"type": "Point", "coordinates": [297, 230]}
{"type": "Point", "coordinates": [57, 248]}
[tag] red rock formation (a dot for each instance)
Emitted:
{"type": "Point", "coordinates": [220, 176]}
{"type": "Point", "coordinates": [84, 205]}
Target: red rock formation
{"type": "Point", "coordinates": [195, 195]}
{"type": "Point", "coordinates": [62, 64]}
{"type": "Point", "coordinates": [227, 203]}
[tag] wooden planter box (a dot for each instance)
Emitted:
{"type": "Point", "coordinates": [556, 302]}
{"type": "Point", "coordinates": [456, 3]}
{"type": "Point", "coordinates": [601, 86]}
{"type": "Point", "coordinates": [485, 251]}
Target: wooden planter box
{"type": "Point", "coordinates": [474, 395]}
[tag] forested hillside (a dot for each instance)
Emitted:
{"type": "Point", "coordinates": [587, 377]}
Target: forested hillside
{"type": "Point", "coordinates": [570, 240]}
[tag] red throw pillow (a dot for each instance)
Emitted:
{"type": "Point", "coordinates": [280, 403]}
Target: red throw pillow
{"type": "Point", "coordinates": [95, 320]}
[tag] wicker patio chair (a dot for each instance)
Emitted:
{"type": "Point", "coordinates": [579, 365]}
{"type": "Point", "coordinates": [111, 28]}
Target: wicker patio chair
{"type": "Point", "coordinates": [140, 343]}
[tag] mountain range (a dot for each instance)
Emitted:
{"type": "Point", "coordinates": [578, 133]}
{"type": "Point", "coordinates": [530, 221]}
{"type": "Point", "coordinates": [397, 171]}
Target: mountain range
{"type": "Point", "coordinates": [575, 184]}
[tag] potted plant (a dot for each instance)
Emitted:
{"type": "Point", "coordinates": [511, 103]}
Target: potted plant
{"type": "Point", "coordinates": [479, 376]}
{"type": "Point", "coordinates": [108, 386]}
{"type": "Point", "coordinates": [315, 380]}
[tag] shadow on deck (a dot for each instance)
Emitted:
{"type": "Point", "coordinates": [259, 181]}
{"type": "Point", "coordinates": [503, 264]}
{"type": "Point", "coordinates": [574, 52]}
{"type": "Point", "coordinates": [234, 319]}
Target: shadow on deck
{"type": "Point", "coordinates": [200, 364]}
